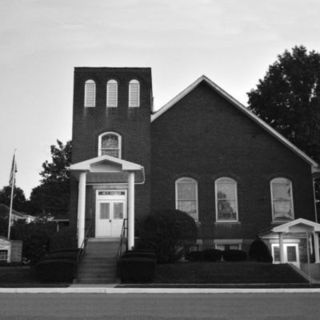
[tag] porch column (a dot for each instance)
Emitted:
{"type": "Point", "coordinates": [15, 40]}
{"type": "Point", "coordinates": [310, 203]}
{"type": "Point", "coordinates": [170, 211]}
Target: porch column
{"type": "Point", "coordinates": [81, 207]}
{"type": "Point", "coordinates": [316, 247]}
{"type": "Point", "coordinates": [131, 210]}
{"type": "Point", "coordinates": [281, 248]}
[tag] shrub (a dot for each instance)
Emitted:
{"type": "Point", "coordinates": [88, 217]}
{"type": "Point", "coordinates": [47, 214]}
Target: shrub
{"type": "Point", "coordinates": [259, 251]}
{"type": "Point", "coordinates": [137, 269]}
{"type": "Point", "coordinates": [35, 237]}
{"type": "Point", "coordinates": [234, 255]}
{"type": "Point", "coordinates": [168, 233]}
{"type": "Point", "coordinates": [195, 256]}
{"type": "Point", "coordinates": [212, 255]}
{"type": "Point", "coordinates": [62, 254]}
{"type": "Point", "coordinates": [64, 239]}
{"type": "Point", "coordinates": [55, 270]}
{"type": "Point", "coordinates": [139, 254]}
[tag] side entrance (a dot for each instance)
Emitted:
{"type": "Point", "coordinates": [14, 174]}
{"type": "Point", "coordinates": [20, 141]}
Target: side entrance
{"type": "Point", "coordinates": [111, 210]}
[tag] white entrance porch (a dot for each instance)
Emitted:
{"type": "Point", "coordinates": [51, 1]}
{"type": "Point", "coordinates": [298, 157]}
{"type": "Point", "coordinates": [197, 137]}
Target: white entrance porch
{"type": "Point", "coordinates": [111, 206]}
{"type": "Point", "coordinates": [294, 241]}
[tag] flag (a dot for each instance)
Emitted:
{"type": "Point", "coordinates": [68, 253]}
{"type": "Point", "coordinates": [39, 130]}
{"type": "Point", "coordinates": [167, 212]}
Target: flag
{"type": "Point", "coordinates": [13, 171]}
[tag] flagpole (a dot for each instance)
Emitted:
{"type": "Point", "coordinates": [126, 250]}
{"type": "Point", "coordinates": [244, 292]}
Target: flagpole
{"type": "Point", "coordinates": [13, 180]}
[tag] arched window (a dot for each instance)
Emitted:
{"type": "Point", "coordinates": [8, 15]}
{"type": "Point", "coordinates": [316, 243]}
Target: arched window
{"type": "Point", "coordinates": [281, 199]}
{"type": "Point", "coordinates": [112, 93]}
{"type": "Point", "coordinates": [134, 93]}
{"type": "Point", "coordinates": [90, 93]}
{"type": "Point", "coordinates": [187, 196]}
{"type": "Point", "coordinates": [226, 200]}
{"type": "Point", "coordinates": [110, 144]}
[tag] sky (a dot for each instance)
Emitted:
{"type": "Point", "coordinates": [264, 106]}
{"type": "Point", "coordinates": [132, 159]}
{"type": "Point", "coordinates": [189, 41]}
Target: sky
{"type": "Point", "coordinates": [41, 41]}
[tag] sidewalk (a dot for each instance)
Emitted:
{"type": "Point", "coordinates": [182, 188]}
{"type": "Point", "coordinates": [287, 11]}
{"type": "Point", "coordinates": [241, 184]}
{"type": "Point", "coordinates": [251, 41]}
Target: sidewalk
{"type": "Point", "coordinates": [170, 289]}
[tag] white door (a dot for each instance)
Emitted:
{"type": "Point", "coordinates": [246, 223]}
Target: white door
{"type": "Point", "coordinates": [291, 253]}
{"type": "Point", "coordinates": [110, 212]}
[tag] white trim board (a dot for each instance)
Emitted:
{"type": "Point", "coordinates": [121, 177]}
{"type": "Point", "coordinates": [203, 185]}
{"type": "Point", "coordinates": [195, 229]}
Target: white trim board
{"type": "Point", "coordinates": [238, 105]}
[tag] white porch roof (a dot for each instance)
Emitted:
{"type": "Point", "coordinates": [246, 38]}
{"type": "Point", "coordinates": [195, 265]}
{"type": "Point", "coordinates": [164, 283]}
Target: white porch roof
{"type": "Point", "coordinates": [296, 226]}
{"type": "Point", "coordinates": [106, 168]}
{"type": "Point", "coordinates": [105, 164]}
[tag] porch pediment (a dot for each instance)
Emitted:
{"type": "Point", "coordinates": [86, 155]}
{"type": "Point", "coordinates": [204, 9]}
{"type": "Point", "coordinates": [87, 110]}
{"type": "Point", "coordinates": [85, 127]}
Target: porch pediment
{"type": "Point", "coordinates": [104, 164]}
{"type": "Point", "coordinates": [297, 226]}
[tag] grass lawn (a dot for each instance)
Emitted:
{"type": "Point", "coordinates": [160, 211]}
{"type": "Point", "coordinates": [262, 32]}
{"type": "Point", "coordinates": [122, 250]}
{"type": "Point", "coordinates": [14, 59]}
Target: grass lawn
{"type": "Point", "coordinates": [226, 272]}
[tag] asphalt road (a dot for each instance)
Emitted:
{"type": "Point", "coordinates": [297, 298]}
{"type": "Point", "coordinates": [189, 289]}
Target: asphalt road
{"type": "Point", "coordinates": [271, 306]}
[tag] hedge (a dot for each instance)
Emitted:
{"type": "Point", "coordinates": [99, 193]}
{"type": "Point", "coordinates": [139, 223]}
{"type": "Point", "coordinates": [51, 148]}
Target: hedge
{"type": "Point", "coordinates": [55, 270]}
{"type": "Point", "coordinates": [137, 269]}
{"type": "Point", "coordinates": [234, 255]}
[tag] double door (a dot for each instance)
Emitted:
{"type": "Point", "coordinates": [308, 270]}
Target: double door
{"type": "Point", "coordinates": [110, 212]}
{"type": "Point", "coordinates": [290, 251]}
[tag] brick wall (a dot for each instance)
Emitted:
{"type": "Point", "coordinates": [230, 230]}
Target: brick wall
{"type": "Point", "coordinates": [204, 137]}
{"type": "Point", "coordinates": [133, 124]}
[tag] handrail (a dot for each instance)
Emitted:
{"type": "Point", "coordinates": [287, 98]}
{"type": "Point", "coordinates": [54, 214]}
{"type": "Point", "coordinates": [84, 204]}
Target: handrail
{"type": "Point", "coordinates": [123, 237]}
{"type": "Point", "coordinates": [83, 245]}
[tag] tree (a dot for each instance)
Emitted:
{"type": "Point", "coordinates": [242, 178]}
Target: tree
{"type": "Point", "coordinates": [288, 98]}
{"type": "Point", "coordinates": [19, 199]}
{"type": "Point", "coordinates": [52, 195]}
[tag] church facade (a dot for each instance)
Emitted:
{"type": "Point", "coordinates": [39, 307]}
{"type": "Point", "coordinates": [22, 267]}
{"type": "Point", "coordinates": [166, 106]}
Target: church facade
{"type": "Point", "coordinates": [202, 153]}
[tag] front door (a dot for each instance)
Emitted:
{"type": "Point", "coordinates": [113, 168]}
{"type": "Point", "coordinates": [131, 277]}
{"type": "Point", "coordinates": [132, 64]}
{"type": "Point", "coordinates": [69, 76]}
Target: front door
{"type": "Point", "coordinates": [110, 212]}
{"type": "Point", "coordinates": [291, 253]}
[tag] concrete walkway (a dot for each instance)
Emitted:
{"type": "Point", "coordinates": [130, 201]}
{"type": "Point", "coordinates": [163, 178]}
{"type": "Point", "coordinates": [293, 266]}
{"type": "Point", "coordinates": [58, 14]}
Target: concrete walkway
{"type": "Point", "coordinates": [112, 289]}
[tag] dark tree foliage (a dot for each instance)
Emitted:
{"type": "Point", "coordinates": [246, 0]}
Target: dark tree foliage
{"type": "Point", "coordinates": [19, 200]}
{"type": "Point", "coordinates": [168, 233]}
{"type": "Point", "coordinates": [52, 195]}
{"type": "Point", "coordinates": [259, 251]}
{"type": "Point", "coordinates": [288, 99]}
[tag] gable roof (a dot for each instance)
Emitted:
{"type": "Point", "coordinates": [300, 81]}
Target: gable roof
{"type": "Point", "coordinates": [123, 164]}
{"type": "Point", "coordinates": [304, 222]}
{"type": "Point", "coordinates": [239, 106]}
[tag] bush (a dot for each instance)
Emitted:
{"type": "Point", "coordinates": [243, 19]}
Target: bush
{"type": "Point", "coordinates": [212, 255]}
{"type": "Point", "coordinates": [55, 270]}
{"type": "Point", "coordinates": [234, 255]}
{"type": "Point", "coordinates": [168, 233]}
{"type": "Point", "coordinates": [35, 237]}
{"type": "Point", "coordinates": [259, 251]}
{"type": "Point", "coordinates": [137, 269]}
{"type": "Point", "coordinates": [139, 254]}
{"type": "Point", "coordinates": [195, 256]}
{"type": "Point", "coordinates": [62, 254]}
{"type": "Point", "coordinates": [64, 239]}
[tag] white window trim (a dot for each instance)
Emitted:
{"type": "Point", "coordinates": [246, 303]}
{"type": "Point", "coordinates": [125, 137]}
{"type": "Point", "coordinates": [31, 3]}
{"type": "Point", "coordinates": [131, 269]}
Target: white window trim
{"type": "Point", "coordinates": [196, 198]}
{"type": "Point", "coordinates": [134, 81]}
{"type": "Point", "coordinates": [111, 81]}
{"type": "Point", "coordinates": [272, 209]}
{"type": "Point", "coordinates": [216, 201]}
{"type": "Point", "coordinates": [119, 139]}
{"type": "Point", "coordinates": [85, 93]}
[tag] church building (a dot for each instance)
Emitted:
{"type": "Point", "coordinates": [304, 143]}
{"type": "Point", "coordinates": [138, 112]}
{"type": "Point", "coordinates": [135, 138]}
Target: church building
{"type": "Point", "coordinates": [203, 153]}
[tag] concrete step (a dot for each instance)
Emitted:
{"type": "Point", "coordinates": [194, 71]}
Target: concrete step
{"type": "Point", "coordinates": [98, 265]}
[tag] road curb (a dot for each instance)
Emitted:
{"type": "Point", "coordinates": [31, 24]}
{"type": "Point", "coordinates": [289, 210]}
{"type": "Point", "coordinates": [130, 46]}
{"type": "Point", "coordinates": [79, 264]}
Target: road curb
{"type": "Point", "coordinates": [113, 290]}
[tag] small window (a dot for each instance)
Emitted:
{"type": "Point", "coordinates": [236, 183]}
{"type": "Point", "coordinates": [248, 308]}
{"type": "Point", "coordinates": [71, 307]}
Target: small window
{"type": "Point", "coordinates": [228, 246]}
{"type": "Point", "coordinates": [226, 200]}
{"type": "Point", "coordinates": [3, 255]}
{"type": "Point", "coordinates": [112, 93]}
{"type": "Point", "coordinates": [134, 93]}
{"type": "Point", "coordinates": [110, 144]}
{"type": "Point", "coordinates": [187, 196]}
{"type": "Point", "coordinates": [282, 199]}
{"type": "Point", "coordinates": [90, 93]}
